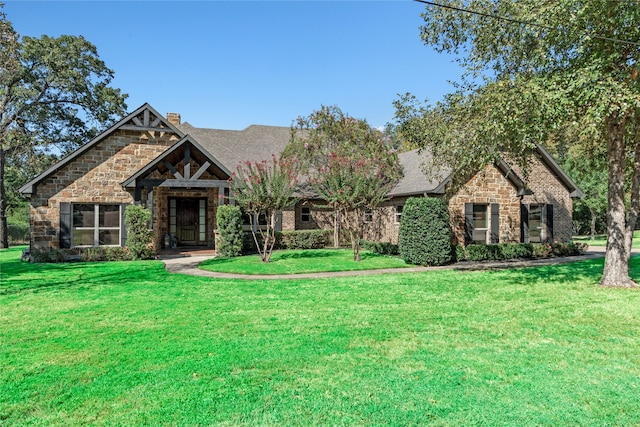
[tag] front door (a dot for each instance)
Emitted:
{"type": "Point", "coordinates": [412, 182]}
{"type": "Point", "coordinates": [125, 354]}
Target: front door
{"type": "Point", "coordinates": [188, 220]}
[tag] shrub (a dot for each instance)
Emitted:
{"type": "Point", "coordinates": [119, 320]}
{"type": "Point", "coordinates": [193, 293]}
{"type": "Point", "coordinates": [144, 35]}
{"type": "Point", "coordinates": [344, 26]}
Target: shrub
{"type": "Point", "coordinates": [230, 232]}
{"type": "Point", "coordinates": [139, 236]}
{"type": "Point", "coordinates": [48, 255]}
{"type": "Point", "coordinates": [303, 239]}
{"type": "Point", "coordinates": [18, 232]}
{"type": "Point", "coordinates": [425, 232]}
{"type": "Point", "coordinates": [382, 248]}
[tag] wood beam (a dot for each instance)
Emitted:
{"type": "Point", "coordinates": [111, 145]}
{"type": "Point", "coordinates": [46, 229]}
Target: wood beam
{"type": "Point", "coordinates": [172, 169]}
{"type": "Point", "coordinates": [187, 161]}
{"type": "Point", "coordinates": [200, 171]}
{"type": "Point", "coordinates": [147, 128]}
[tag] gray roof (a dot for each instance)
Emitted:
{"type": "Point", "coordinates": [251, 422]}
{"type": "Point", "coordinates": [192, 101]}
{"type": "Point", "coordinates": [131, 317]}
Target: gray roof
{"type": "Point", "coordinates": [414, 181]}
{"type": "Point", "coordinates": [231, 147]}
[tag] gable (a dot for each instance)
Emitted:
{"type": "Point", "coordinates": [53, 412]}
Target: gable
{"type": "Point", "coordinates": [145, 120]}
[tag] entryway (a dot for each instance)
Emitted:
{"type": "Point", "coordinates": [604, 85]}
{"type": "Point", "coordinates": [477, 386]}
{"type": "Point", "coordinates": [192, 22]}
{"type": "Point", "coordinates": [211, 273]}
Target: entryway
{"type": "Point", "coordinates": [188, 221]}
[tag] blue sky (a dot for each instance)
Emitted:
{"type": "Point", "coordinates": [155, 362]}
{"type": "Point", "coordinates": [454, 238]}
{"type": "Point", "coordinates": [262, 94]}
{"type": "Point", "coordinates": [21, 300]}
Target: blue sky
{"type": "Point", "coordinates": [228, 65]}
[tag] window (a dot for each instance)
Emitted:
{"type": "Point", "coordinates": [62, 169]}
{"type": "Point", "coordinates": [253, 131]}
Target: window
{"type": "Point", "coordinates": [305, 214]}
{"type": "Point", "coordinates": [96, 225]}
{"type": "Point", "coordinates": [536, 223]}
{"type": "Point", "coordinates": [368, 215]}
{"type": "Point", "coordinates": [480, 224]}
{"type": "Point", "coordinates": [398, 214]}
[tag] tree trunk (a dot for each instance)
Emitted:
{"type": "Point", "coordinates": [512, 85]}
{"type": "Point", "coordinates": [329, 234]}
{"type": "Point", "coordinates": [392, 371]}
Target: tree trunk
{"type": "Point", "coordinates": [336, 228]}
{"type": "Point", "coordinates": [4, 229]}
{"type": "Point", "coordinates": [593, 223]}
{"type": "Point", "coordinates": [616, 264]}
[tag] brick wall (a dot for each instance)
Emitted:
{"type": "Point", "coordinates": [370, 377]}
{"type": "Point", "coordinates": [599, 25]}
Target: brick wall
{"type": "Point", "coordinates": [93, 177]}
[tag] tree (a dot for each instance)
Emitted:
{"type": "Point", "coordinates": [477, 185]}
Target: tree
{"type": "Point", "coordinates": [542, 65]}
{"type": "Point", "coordinates": [54, 95]}
{"type": "Point", "coordinates": [348, 164]}
{"type": "Point", "coordinates": [261, 188]}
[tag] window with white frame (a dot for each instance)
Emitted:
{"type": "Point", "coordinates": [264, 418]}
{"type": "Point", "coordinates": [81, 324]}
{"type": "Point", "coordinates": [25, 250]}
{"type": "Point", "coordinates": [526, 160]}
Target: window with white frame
{"type": "Point", "coordinates": [481, 223]}
{"type": "Point", "coordinates": [305, 214]}
{"type": "Point", "coordinates": [368, 215]}
{"type": "Point", "coordinates": [397, 215]}
{"type": "Point", "coordinates": [96, 225]}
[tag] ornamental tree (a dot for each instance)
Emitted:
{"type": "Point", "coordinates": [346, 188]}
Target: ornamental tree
{"type": "Point", "coordinates": [55, 93]}
{"type": "Point", "coordinates": [531, 68]}
{"type": "Point", "coordinates": [347, 163]}
{"type": "Point", "coordinates": [264, 188]}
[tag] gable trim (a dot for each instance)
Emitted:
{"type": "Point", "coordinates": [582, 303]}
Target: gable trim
{"type": "Point", "coordinates": [145, 108]}
{"type": "Point", "coordinates": [131, 182]}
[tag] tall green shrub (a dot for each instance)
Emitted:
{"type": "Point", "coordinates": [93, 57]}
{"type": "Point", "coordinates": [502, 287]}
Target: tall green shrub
{"type": "Point", "coordinates": [425, 232]}
{"type": "Point", "coordinates": [139, 236]}
{"type": "Point", "coordinates": [229, 222]}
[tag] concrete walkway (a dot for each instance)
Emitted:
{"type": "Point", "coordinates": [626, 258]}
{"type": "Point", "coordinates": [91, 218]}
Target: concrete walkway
{"type": "Point", "coordinates": [189, 265]}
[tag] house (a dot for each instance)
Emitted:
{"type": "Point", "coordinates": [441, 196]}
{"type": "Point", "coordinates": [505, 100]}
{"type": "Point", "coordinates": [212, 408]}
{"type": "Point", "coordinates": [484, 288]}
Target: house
{"type": "Point", "coordinates": [181, 173]}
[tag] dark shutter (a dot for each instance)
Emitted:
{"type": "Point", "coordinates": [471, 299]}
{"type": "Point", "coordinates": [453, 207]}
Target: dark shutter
{"type": "Point", "coordinates": [123, 226]}
{"type": "Point", "coordinates": [495, 223]}
{"type": "Point", "coordinates": [524, 223]}
{"type": "Point", "coordinates": [468, 223]}
{"type": "Point", "coordinates": [549, 223]}
{"type": "Point", "coordinates": [65, 225]}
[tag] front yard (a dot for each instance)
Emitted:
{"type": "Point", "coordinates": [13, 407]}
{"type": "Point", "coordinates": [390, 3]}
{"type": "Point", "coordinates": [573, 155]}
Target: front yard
{"type": "Point", "coordinates": [130, 344]}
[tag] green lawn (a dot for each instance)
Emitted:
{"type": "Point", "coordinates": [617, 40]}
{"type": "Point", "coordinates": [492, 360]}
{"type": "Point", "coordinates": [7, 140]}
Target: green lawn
{"type": "Point", "coordinates": [303, 261]}
{"type": "Point", "coordinates": [130, 344]}
{"type": "Point", "coordinates": [601, 240]}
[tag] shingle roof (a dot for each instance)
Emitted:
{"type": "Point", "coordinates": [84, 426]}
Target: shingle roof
{"type": "Point", "coordinates": [231, 147]}
{"type": "Point", "coordinates": [414, 181]}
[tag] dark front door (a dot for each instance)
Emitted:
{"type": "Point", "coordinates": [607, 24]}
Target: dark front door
{"type": "Point", "coordinates": [190, 221]}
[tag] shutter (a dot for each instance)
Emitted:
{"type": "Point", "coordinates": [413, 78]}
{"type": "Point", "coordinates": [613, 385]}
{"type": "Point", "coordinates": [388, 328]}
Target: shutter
{"type": "Point", "coordinates": [549, 222]}
{"type": "Point", "coordinates": [123, 225]}
{"type": "Point", "coordinates": [65, 225]}
{"type": "Point", "coordinates": [524, 223]}
{"type": "Point", "coordinates": [468, 223]}
{"type": "Point", "coordinates": [495, 223]}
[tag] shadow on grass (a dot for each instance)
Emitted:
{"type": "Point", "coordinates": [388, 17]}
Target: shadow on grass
{"type": "Point", "coordinates": [18, 277]}
{"type": "Point", "coordinates": [587, 271]}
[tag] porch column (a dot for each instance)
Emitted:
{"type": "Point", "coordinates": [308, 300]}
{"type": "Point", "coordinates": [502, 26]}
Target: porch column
{"type": "Point", "coordinates": [232, 201]}
{"type": "Point", "coordinates": [220, 196]}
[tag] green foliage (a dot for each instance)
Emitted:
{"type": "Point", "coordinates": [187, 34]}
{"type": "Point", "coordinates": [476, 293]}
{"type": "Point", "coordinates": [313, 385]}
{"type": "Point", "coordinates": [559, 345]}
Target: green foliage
{"type": "Point", "coordinates": [131, 344]}
{"type": "Point", "coordinates": [303, 239]}
{"type": "Point", "coordinates": [230, 232]}
{"type": "Point", "coordinates": [349, 165]}
{"type": "Point", "coordinates": [263, 188]}
{"type": "Point", "coordinates": [54, 92]}
{"type": "Point", "coordinates": [382, 248]}
{"type": "Point", "coordinates": [425, 232]}
{"type": "Point", "coordinates": [139, 235]}
{"type": "Point", "coordinates": [537, 80]}
{"type": "Point", "coordinates": [507, 251]}
{"type": "Point", "coordinates": [18, 232]}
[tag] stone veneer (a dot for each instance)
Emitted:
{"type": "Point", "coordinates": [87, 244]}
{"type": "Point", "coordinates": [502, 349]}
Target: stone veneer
{"type": "Point", "coordinates": [93, 177]}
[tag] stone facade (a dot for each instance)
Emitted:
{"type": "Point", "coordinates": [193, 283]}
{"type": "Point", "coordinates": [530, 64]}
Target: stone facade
{"type": "Point", "coordinates": [488, 186]}
{"type": "Point", "coordinates": [93, 177]}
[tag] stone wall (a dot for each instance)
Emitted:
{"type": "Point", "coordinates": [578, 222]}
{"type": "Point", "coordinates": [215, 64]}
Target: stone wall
{"type": "Point", "coordinates": [486, 187]}
{"type": "Point", "coordinates": [93, 177]}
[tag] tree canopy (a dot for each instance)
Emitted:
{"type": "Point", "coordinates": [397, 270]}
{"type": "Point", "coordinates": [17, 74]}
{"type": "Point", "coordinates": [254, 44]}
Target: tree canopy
{"type": "Point", "coordinates": [532, 68]}
{"type": "Point", "coordinates": [55, 93]}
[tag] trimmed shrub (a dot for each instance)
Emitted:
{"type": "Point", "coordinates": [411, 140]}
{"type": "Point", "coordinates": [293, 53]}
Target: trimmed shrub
{"type": "Point", "coordinates": [139, 236]}
{"type": "Point", "coordinates": [230, 233]}
{"type": "Point", "coordinates": [48, 255]}
{"type": "Point", "coordinates": [382, 248]}
{"type": "Point", "coordinates": [303, 239]}
{"type": "Point", "coordinates": [425, 232]}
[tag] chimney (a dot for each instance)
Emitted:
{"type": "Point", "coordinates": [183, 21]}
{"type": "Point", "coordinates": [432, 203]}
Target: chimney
{"type": "Point", "coordinates": [174, 118]}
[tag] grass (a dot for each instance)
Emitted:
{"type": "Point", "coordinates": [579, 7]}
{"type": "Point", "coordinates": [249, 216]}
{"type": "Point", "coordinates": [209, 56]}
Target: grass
{"type": "Point", "coordinates": [303, 261]}
{"type": "Point", "coordinates": [601, 240]}
{"type": "Point", "coordinates": [130, 344]}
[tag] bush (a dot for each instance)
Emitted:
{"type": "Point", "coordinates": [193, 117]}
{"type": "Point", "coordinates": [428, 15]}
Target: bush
{"type": "Point", "coordinates": [382, 248]}
{"type": "Point", "coordinates": [48, 255]}
{"type": "Point", "coordinates": [139, 236]}
{"type": "Point", "coordinates": [425, 232]}
{"type": "Point", "coordinates": [18, 232]}
{"type": "Point", "coordinates": [230, 233]}
{"type": "Point", "coordinates": [303, 239]}
{"type": "Point", "coordinates": [504, 251]}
